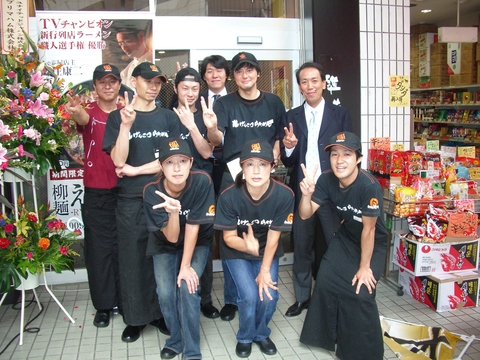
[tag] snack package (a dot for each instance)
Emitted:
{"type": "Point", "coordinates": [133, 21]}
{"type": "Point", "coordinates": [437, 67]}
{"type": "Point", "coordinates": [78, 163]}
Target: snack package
{"type": "Point", "coordinates": [436, 228]}
{"type": "Point", "coordinates": [417, 226]}
{"type": "Point", "coordinates": [424, 188]}
{"type": "Point", "coordinates": [433, 161]}
{"type": "Point", "coordinates": [450, 176]}
{"type": "Point", "coordinates": [413, 163]}
{"type": "Point", "coordinates": [404, 198]}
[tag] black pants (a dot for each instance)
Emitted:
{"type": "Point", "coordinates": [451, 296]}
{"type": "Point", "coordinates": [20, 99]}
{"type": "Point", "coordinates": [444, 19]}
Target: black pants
{"type": "Point", "coordinates": [100, 247]}
{"type": "Point", "coordinates": [137, 280]}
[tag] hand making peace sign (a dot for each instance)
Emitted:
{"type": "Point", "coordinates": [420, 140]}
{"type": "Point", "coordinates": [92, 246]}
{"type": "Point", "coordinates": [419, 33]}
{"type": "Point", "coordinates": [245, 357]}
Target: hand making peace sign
{"type": "Point", "coordinates": [307, 185]}
{"type": "Point", "coordinates": [170, 205]}
{"type": "Point", "coordinates": [289, 140]}
{"type": "Point", "coordinates": [73, 107]}
{"type": "Point", "coordinates": [209, 117]}
{"type": "Point", "coordinates": [185, 115]}
{"type": "Point", "coordinates": [128, 113]}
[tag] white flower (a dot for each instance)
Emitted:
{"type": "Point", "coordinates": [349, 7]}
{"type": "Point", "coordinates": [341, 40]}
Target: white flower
{"type": "Point", "coordinates": [53, 144]}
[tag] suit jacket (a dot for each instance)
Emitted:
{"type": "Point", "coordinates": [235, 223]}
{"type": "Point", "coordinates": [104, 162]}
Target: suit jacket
{"type": "Point", "coordinates": [335, 119]}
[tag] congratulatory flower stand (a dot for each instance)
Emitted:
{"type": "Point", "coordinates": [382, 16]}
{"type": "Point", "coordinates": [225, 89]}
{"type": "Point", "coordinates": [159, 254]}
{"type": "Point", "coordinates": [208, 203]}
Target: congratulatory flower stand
{"type": "Point", "coordinates": [27, 284]}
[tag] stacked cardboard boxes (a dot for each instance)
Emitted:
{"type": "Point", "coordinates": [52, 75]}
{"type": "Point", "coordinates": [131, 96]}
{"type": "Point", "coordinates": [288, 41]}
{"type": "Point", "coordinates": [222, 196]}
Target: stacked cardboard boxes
{"type": "Point", "coordinates": [415, 46]}
{"type": "Point", "coordinates": [438, 65]}
{"type": "Point", "coordinates": [462, 63]}
{"type": "Point", "coordinates": [424, 42]}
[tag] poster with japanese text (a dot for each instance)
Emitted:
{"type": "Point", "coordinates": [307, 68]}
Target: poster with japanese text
{"type": "Point", "coordinates": [65, 194]}
{"type": "Point", "coordinates": [14, 19]}
{"type": "Point", "coordinates": [399, 90]}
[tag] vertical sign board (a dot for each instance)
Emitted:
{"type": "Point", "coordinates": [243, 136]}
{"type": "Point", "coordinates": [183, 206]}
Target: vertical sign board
{"type": "Point", "coordinates": [65, 194]}
{"type": "Point", "coordinates": [14, 19]}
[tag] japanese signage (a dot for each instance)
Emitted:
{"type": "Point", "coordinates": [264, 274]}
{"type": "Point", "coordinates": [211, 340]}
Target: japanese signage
{"type": "Point", "coordinates": [76, 43]}
{"type": "Point", "coordinates": [432, 145]}
{"type": "Point", "coordinates": [467, 151]}
{"type": "Point", "coordinates": [65, 194]}
{"type": "Point", "coordinates": [398, 147]}
{"type": "Point", "coordinates": [14, 20]}
{"type": "Point", "coordinates": [399, 90]}
{"type": "Point", "coordinates": [380, 143]}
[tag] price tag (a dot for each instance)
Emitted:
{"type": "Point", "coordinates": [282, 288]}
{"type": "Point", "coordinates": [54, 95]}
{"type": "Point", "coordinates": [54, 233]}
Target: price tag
{"type": "Point", "coordinates": [466, 151]}
{"type": "Point", "coordinates": [397, 147]}
{"type": "Point", "coordinates": [474, 173]}
{"type": "Point", "coordinates": [380, 143]}
{"type": "Point", "coordinates": [432, 145]}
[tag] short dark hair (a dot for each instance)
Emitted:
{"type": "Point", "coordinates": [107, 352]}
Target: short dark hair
{"type": "Point", "coordinates": [217, 61]}
{"type": "Point", "coordinates": [310, 65]}
{"type": "Point", "coordinates": [130, 31]}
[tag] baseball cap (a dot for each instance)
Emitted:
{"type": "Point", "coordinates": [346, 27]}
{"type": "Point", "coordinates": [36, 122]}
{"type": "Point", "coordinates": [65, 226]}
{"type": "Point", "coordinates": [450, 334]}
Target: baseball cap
{"type": "Point", "coordinates": [347, 140]}
{"type": "Point", "coordinates": [104, 70]}
{"type": "Point", "coordinates": [173, 147]}
{"type": "Point", "coordinates": [257, 149]}
{"type": "Point", "coordinates": [188, 71]}
{"type": "Point", "coordinates": [148, 71]}
{"type": "Point", "coordinates": [244, 57]}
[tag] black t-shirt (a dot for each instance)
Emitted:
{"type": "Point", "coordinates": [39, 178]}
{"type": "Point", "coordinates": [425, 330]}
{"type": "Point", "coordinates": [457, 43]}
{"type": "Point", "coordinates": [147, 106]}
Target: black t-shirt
{"type": "Point", "coordinates": [198, 208]}
{"type": "Point", "coordinates": [362, 198]}
{"type": "Point", "coordinates": [146, 133]}
{"type": "Point", "coordinates": [236, 209]}
{"type": "Point", "coordinates": [198, 161]}
{"type": "Point", "coordinates": [243, 120]}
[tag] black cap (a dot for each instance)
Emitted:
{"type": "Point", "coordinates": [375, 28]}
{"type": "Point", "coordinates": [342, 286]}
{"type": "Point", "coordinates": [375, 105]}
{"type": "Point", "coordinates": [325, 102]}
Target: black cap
{"type": "Point", "coordinates": [244, 57]}
{"type": "Point", "coordinates": [172, 147]}
{"type": "Point", "coordinates": [188, 71]}
{"type": "Point", "coordinates": [257, 149]}
{"type": "Point", "coordinates": [148, 71]}
{"type": "Point", "coordinates": [104, 70]}
{"type": "Point", "coordinates": [347, 140]}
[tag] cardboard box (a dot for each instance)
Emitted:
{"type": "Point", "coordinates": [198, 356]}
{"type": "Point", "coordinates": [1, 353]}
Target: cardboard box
{"type": "Point", "coordinates": [454, 58]}
{"type": "Point", "coordinates": [463, 79]}
{"type": "Point", "coordinates": [442, 292]}
{"type": "Point", "coordinates": [439, 81]}
{"type": "Point", "coordinates": [426, 39]}
{"type": "Point", "coordinates": [424, 68]}
{"type": "Point", "coordinates": [423, 28]}
{"type": "Point", "coordinates": [456, 254]}
{"type": "Point", "coordinates": [438, 59]}
{"type": "Point", "coordinates": [438, 70]}
{"type": "Point", "coordinates": [438, 49]}
{"type": "Point", "coordinates": [424, 54]}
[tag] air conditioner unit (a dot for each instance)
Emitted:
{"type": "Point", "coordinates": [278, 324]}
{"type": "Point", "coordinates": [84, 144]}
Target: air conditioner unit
{"type": "Point", "coordinates": [457, 34]}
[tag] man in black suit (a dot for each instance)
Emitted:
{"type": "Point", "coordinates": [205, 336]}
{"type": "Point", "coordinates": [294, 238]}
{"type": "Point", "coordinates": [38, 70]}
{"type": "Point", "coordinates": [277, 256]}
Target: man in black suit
{"type": "Point", "coordinates": [215, 72]}
{"type": "Point", "coordinates": [308, 130]}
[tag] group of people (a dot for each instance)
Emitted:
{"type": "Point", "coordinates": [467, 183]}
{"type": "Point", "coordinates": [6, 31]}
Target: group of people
{"type": "Point", "coordinates": [167, 179]}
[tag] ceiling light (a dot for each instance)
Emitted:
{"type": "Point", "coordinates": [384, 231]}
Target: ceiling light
{"type": "Point", "coordinates": [426, 11]}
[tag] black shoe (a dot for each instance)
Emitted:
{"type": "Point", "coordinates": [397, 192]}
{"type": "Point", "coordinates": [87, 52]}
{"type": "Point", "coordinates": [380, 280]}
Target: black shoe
{"type": "Point", "coordinates": [210, 311]}
{"type": "Point", "coordinates": [167, 353]}
{"type": "Point", "coordinates": [132, 333]}
{"type": "Point", "coordinates": [267, 346]}
{"type": "Point", "coordinates": [102, 318]}
{"type": "Point", "coordinates": [228, 312]}
{"type": "Point", "coordinates": [243, 350]}
{"type": "Point", "coordinates": [297, 308]}
{"type": "Point", "coordinates": [160, 325]}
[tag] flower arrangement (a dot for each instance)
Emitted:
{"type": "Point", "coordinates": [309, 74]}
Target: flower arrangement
{"type": "Point", "coordinates": [31, 242]}
{"type": "Point", "coordinates": [34, 126]}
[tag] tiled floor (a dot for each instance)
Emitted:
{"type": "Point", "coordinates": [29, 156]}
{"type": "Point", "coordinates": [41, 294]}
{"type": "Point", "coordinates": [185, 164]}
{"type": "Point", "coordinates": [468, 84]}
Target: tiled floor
{"type": "Point", "coordinates": [60, 339]}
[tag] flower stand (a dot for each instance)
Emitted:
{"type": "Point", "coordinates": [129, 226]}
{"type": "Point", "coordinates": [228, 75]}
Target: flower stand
{"type": "Point", "coordinates": [31, 283]}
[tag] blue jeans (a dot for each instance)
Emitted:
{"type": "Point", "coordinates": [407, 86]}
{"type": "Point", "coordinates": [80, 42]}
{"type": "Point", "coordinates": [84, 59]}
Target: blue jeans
{"type": "Point", "coordinates": [229, 289]}
{"type": "Point", "coordinates": [180, 309]}
{"type": "Point", "coordinates": [254, 315]}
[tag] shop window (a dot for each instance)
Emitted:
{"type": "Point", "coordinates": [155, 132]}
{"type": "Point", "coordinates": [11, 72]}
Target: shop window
{"type": "Point", "coordinates": [230, 8]}
{"type": "Point", "coordinates": [92, 5]}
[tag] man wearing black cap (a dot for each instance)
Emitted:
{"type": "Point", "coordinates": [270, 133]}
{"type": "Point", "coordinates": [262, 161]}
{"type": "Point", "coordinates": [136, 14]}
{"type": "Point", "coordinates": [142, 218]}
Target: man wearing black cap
{"type": "Point", "coordinates": [194, 128]}
{"type": "Point", "coordinates": [100, 198]}
{"type": "Point", "coordinates": [343, 313]}
{"type": "Point", "coordinates": [132, 139]}
{"type": "Point", "coordinates": [244, 115]}
{"type": "Point", "coordinates": [180, 210]}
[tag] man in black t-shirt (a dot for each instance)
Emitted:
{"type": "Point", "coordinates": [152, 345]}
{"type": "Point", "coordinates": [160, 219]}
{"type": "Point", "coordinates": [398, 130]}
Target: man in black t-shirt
{"type": "Point", "coordinates": [132, 138]}
{"type": "Point", "coordinates": [245, 115]}
{"type": "Point", "coordinates": [343, 313]}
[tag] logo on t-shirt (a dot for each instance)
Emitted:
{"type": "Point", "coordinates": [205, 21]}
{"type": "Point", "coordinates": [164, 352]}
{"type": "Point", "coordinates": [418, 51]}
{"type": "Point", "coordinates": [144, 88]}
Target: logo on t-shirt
{"type": "Point", "coordinates": [373, 204]}
{"type": "Point", "coordinates": [211, 210]}
{"type": "Point", "coordinates": [289, 220]}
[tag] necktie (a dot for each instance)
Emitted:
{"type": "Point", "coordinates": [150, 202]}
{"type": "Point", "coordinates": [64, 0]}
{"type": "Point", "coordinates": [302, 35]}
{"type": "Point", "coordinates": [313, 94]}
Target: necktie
{"type": "Point", "coordinates": [312, 157]}
{"type": "Point", "coordinates": [215, 97]}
